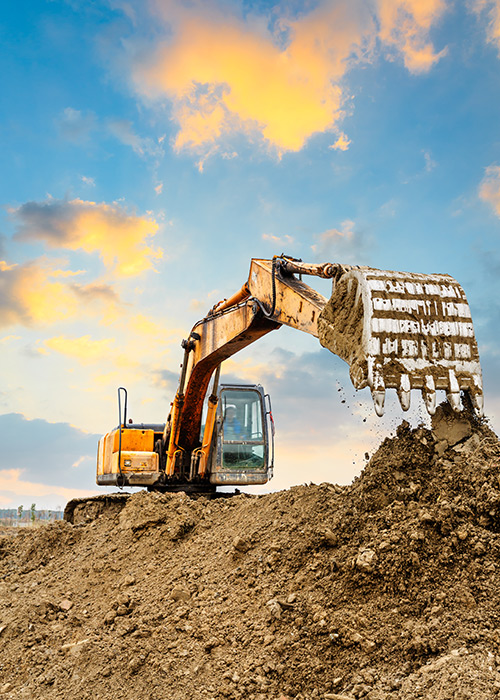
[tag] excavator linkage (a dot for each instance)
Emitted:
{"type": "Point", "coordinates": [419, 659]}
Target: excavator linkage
{"type": "Point", "coordinates": [403, 331]}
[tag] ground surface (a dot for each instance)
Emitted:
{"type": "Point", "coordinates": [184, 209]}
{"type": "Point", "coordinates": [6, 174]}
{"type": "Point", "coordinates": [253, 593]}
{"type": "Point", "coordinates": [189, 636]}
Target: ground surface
{"type": "Point", "coordinates": [386, 589]}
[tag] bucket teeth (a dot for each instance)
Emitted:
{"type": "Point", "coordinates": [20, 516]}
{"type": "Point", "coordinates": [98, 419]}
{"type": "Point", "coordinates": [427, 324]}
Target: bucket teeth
{"type": "Point", "coordinates": [478, 403]}
{"type": "Point", "coordinates": [453, 393]}
{"type": "Point", "coordinates": [404, 392]}
{"type": "Point", "coordinates": [398, 330]}
{"type": "Point", "coordinates": [378, 396]}
{"type": "Point", "coordinates": [429, 394]}
{"type": "Point", "coordinates": [377, 386]}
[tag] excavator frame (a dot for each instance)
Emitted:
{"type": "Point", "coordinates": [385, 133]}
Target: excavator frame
{"type": "Point", "coordinates": [396, 330]}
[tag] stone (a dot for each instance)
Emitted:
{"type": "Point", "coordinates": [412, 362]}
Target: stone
{"type": "Point", "coordinates": [65, 605]}
{"type": "Point", "coordinates": [274, 608]}
{"type": "Point", "coordinates": [110, 617]}
{"type": "Point", "coordinates": [449, 427]}
{"type": "Point", "coordinates": [329, 538]}
{"type": "Point", "coordinates": [180, 593]}
{"type": "Point", "coordinates": [241, 545]}
{"type": "Point", "coordinates": [366, 560]}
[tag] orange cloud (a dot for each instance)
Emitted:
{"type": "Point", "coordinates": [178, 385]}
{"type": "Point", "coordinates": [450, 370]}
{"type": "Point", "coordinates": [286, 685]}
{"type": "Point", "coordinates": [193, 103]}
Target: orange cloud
{"type": "Point", "coordinates": [491, 8]}
{"type": "Point", "coordinates": [11, 482]}
{"type": "Point", "coordinates": [119, 238]}
{"type": "Point", "coordinates": [225, 75]}
{"type": "Point", "coordinates": [83, 349]}
{"type": "Point", "coordinates": [278, 240]}
{"type": "Point", "coordinates": [342, 143]}
{"type": "Point", "coordinates": [330, 239]}
{"type": "Point", "coordinates": [29, 295]}
{"type": "Point", "coordinates": [213, 72]}
{"type": "Point", "coordinates": [489, 189]}
{"type": "Point", "coordinates": [38, 294]}
{"type": "Point", "coordinates": [405, 26]}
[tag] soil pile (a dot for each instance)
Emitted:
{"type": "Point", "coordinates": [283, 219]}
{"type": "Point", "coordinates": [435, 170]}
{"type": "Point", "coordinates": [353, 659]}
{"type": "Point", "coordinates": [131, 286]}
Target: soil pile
{"type": "Point", "coordinates": [386, 589]}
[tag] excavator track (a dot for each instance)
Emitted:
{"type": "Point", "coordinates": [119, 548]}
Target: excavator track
{"type": "Point", "coordinates": [80, 511]}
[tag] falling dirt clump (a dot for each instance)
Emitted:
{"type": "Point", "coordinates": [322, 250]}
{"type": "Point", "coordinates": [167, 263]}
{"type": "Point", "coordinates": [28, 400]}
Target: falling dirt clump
{"type": "Point", "coordinates": [386, 589]}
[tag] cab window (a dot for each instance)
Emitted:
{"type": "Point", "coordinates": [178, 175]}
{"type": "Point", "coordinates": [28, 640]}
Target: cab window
{"type": "Point", "coordinates": [243, 445]}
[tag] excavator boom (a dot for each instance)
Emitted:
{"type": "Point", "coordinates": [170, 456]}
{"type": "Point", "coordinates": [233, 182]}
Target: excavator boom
{"type": "Point", "coordinates": [396, 330]}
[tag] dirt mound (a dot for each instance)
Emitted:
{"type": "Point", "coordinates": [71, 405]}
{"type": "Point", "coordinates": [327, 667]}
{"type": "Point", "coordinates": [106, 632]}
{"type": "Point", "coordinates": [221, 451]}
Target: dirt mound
{"type": "Point", "coordinates": [385, 589]}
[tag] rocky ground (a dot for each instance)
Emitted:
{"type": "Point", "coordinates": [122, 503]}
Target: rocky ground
{"type": "Point", "coordinates": [386, 589]}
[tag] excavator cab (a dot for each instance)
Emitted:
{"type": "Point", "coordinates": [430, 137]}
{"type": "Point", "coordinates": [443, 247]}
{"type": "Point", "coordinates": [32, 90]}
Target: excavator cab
{"type": "Point", "coordinates": [244, 437]}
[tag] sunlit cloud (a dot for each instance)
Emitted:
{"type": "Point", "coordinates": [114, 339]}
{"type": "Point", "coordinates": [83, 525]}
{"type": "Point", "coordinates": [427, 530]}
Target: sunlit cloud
{"type": "Point", "coordinates": [210, 67]}
{"type": "Point", "coordinates": [278, 240]}
{"type": "Point", "coordinates": [5, 267]}
{"type": "Point", "coordinates": [39, 294]}
{"type": "Point", "coordinates": [30, 295]}
{"type": "Point", "coordinates": [344, 244]}
{"type": "Point", "coordinates": [212, 70]}
{"type": "Point", "coordinates": [490, 9]}
{"type": "Point", "coordinates": [342, 143]}
{"type": "Point", "coordinates": [13, 484]}
{"type": "Point", "coordinates": [120, 238]}
{"type": "Point", "coordinates": [405, 27]}
{"type": "Point", "coordinates": [83, 349]}
{"type": "Point", "coordinates": [9, 339]}
{"type": "Point", "coordinates": [489, 189]}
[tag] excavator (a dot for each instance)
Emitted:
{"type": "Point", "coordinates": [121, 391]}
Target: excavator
{"type": "Point", "coordinates": [395, 330]}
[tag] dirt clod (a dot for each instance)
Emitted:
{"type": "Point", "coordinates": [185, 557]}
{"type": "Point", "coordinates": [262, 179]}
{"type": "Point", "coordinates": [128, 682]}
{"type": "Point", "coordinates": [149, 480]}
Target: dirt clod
{"type": "Point", "coordinates": [386, 589]}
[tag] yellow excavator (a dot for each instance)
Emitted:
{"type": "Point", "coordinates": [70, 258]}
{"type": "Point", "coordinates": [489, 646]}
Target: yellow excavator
{"type": "Point", "coordinates": [395, 330]}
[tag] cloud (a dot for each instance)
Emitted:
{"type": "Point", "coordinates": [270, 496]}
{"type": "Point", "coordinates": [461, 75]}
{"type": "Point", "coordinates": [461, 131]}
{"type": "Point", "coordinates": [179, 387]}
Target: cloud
{"type": "Point", "coordinates": [344, 244]}
{"type": "Point", "coordinates": [405, 27]}
{"type": "Point", "coordinates": [83, 349]}
{"type": "Point", "coordinates": [278, 240]}
{"type": "Point", "coordinates": [489, 188]}
{"type": "Point", "coordinates": [342, 143]}
{"type": "Point", "coordinates": [122, 130]}
{"type": "Point", "coordinates": [430, 164]}
{"type": "Point", "coordinates": [121, 239]}
{"type": "Point", "coordinates": [95, 291]}
{"type": "Point", "coordinates": [75, 125]}
{"type": "Point", "coordinates": [29, 295]}
{"type": "Point", "coordinates": [212, 70]}
{"type": "Point", "coordinates": [491, 10]}
{"type": "Point", "coordinates": [35, 451]}
{"type": "Point", "coordinates": [210, 65]}
{"type": "Point", "coordinates": [37, 293]}
{"type": "Point", "coordinates": [166, 380]}
{"type": "Point", "coordinates": [87, 180]}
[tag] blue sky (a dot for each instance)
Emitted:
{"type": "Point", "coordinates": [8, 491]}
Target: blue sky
{"type": "Point", "coordinates": [150, 149]}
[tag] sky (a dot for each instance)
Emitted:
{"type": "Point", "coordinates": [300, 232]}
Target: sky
{"type": "Point", "coordinates": [151, 148]}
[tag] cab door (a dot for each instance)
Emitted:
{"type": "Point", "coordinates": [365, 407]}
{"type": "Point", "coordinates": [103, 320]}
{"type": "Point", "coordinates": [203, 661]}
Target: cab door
{"type": "Point", "coordinates": [242, 454]}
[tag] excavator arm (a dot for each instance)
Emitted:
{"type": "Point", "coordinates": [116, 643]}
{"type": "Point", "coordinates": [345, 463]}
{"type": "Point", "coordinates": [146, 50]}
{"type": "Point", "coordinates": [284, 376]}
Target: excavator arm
{"type": "Point", "coordinates": [395, 330]}
{"type": "Point", "coordinates": [265, 302]}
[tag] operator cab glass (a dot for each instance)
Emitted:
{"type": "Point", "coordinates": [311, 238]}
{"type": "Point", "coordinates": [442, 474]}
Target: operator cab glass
{"type": "Point", "coordinates": [243, 437]}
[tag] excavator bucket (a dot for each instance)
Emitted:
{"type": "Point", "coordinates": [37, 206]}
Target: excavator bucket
{"type": "Point", "coordinates": [403, 331]}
